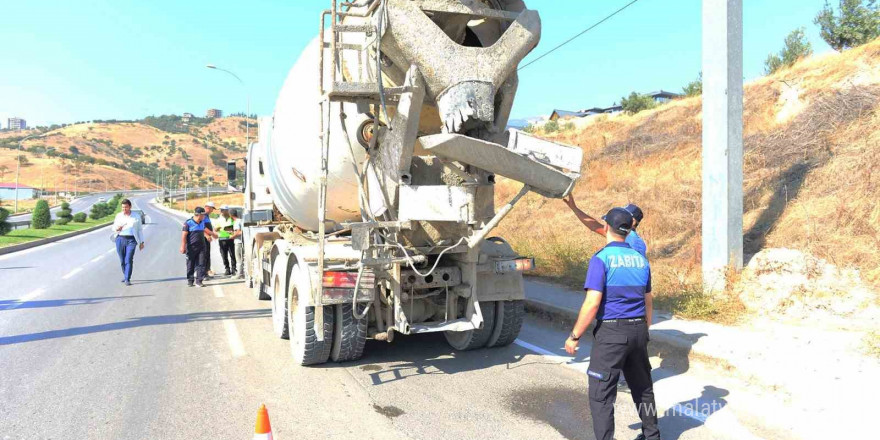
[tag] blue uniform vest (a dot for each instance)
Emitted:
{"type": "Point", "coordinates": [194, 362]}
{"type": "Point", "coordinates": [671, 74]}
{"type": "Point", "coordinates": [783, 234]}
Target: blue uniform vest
{"type": "Point", "coordinates": [623, 276]}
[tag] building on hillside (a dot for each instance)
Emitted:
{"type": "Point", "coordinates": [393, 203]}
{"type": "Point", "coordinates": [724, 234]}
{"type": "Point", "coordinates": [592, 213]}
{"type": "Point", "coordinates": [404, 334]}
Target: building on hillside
{"type": "Point", "coordinates": [16, 124]}
{"type": "Point", "coordinates": [188, 117]}
{"type": "Point", "coordinates": [214, 113]}
{"type": "Point", "coordinates": [662, 96]}
{"type": "Point", "coordinates": [616, 108]}
{"type": "Point", "coordinates": [564, 114]}
{"type": "Point", "coordinates": [7, 191]}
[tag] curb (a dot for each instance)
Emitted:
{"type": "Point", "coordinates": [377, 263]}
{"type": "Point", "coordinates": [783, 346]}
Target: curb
{"type": "Point", "coordinates": [42, 241]}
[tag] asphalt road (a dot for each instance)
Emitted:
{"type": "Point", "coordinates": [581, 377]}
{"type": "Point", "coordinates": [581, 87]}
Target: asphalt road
{"type": "Point", "coordinates": [83, 356]}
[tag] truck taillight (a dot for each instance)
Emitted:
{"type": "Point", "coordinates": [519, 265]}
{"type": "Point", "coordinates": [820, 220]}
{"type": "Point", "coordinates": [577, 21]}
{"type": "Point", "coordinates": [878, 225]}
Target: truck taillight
{"type": "Point", "coordinates": [518, 265]}
{"type": "Point", "coordinates": [343, 280]}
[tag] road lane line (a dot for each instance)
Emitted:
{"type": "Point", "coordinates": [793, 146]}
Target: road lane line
{"type": "Point", "coordinates": [96, 259]}
{"type": "Point", "coordinates": [218, 291]}
{"type": "Point", "coordinates": [233, 338]}
{"type": "Point", "coordinates": [26, 298]}
{"type": "Point", "coordinates": [72, 273]}
{"type": "Point", "coordinates": [111, 250]}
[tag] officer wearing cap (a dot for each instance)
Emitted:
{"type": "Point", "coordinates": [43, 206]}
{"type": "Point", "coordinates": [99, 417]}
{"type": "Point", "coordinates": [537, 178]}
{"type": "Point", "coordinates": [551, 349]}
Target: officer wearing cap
{"type": "Point", "coordinates": [193, 244]}
{"type": "Point", "coordinates": [633, 239]}
{"type": "Point", "coordinates": [619, 298]}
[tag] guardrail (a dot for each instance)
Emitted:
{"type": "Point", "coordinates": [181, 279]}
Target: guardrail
{"type": "Point", "coordinates": [22, 224]}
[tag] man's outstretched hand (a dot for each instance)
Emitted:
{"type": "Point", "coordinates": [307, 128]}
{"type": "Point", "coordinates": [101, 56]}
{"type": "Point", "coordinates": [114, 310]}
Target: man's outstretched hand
{"type": "Point", "coordinates": [569, 201]}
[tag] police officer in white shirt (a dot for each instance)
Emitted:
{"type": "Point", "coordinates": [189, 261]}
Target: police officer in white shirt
{"type": "Point", "coordinates": [127, 227]}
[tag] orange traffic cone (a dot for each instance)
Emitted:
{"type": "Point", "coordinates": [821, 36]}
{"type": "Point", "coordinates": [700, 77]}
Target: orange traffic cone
{"type": "Point", "coordinates": [262, 431]}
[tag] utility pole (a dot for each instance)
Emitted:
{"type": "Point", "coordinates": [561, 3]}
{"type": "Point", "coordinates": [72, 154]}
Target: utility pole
{"type": "Point", "coordinates": [722, 141]}
{"type": "Point", "coordinates": [18, 171]}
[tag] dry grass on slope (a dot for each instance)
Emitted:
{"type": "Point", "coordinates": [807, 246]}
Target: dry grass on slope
{"type": "Point", "coordinates": [811, 144]}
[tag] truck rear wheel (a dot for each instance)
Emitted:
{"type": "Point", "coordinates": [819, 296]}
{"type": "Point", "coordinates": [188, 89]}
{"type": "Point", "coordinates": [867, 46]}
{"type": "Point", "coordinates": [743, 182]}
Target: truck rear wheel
{"type": "Point", "coordinates": [508, 322]}
{"type": "Point", "coordinates": [304, 343]}
{"type": "Point", "coordinates": [279, 302]}
{"type": "Point", "coordinates": [349, 336]}
{"type": "Point", "coordinates": [473, 339]}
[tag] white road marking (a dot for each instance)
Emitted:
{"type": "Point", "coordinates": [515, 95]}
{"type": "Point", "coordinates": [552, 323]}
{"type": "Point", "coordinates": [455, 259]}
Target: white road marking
{"type": "Point", "coordinates": [96, 259]}
{"type": "Point", "coordinates": [27, 251]}
{"type": "Point", "coordinates": [111, 251]}
{"type": "Point", "coordinates": [218, 291]}
{"type": "Point", "coordinates": [26, 298]}
{"type": "Point", "coordinates": [233, 338]}
{"type": "Point", "coordinates": [72, 273]}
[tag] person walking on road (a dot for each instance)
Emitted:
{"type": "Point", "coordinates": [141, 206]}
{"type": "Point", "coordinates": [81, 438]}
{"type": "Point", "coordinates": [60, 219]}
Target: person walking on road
{"type": "Point", "coordinates": [239, 244]}
{"type": "Point", "coordinates": [127, 228]}
{"type": "Point", "coordinates": [227, 245]}
{"type": "Point", "coordinates": [193, 244]}
{"type": "Point", "coordinates": [619, 298]}
{"type": "Point", "coordinates": [209, 208]}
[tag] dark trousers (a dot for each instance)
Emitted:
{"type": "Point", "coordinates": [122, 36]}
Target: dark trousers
{"type": "Point", "coordinates": [207, 255]}
{"type": "Point", "coordinates": [227, 251]}
{"type": "Point", "coordinates": [621, 347]}
{"type": "Point", "coordinates": [195, 264]}
{"type": "Point", "coordinates": [125, 246]}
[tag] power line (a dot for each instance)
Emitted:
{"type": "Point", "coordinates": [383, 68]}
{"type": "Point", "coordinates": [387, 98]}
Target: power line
{"type": "Point", "coordinates": [578, 35]}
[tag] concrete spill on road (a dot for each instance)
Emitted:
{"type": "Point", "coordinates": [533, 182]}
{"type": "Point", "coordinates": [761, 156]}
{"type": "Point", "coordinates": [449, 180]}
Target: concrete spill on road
{"type": "Point", "coordinates": [389, 411]}
{"type": "Point", "coordinates": [567, 410]}
{"type": "Point", "coordinates": [371, 367]}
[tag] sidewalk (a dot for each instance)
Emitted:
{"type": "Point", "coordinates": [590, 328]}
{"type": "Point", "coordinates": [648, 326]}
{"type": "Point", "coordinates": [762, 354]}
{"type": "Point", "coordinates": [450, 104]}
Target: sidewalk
{"type": "Point", "coordinates": [818, 372]}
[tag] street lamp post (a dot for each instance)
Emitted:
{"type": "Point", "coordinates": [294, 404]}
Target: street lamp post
{"type": "Point", "coordinates": [247, 116]}
{"type": "Point", "coordinates": [18, 170]}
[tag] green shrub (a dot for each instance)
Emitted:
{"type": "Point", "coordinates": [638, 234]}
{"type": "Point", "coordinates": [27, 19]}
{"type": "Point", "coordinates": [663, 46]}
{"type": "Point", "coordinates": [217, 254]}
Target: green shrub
{"type": "Point", "coordinates": [79, 217]}
{"type": "Point", "coordinates": [99, 210]}
{"type": "Point", "coordinates": [64, 216]}
{"type": "Point", "coordinates": [551, 127]}
{"type": "Point", "coordinates": [637, 102]}
{"type": "Point", "coordinates": [41, 219]}
{"type": "Point", "coordinates": [796, 47]}
{"type": "Point", "coordinates": [4, 226]}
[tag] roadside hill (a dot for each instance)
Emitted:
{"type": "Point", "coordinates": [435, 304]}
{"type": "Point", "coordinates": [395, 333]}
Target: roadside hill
{"type": "Point", "coordinates": [812, 217]}
{"type": "Point", "coordinates": [125, 153]}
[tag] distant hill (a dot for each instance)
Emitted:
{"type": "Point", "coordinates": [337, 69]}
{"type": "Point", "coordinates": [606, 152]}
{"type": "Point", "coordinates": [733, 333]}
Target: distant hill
{"type": "Point", "coordinates": [125, 154]}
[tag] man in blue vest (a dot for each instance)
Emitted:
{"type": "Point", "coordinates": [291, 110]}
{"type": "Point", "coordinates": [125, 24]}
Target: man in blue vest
{"type": "Point", "coordinates": [193, 244]}
{"type": "Point", "coordinates": [633, 239]}
{"type": "Point", "coordinates": [619, 298]}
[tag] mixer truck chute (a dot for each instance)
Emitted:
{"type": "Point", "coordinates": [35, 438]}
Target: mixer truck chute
{"type": "Point", "coordinates": [376, 178]}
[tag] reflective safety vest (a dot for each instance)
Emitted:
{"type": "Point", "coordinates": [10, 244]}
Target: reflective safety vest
{"type": "Point", "coordinates": [221, 225]}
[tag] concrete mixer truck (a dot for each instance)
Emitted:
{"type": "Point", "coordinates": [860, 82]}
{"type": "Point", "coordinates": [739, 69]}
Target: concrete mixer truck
{"type": "Point", "coordinates": [370, 194]}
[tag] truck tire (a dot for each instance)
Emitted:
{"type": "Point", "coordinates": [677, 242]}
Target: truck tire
{"type": "Point", "coordinates": [304, 344]}
{"type": "Point", "coordinates": [508, 322]}
{"type": "Point", "coordinates": [349, 336]}
{"type": "Point", "coordinates": [279, 302]}
{"type": "Point", "coordinates": [473, 339]}
{"type": "Point", "coordinates": [260, 287]}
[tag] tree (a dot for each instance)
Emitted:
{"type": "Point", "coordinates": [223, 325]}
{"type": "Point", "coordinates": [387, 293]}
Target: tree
{"type": "Point", "coordinates": [23, 160]}
{"type": "Point", "coordinates": [98, 210]}
{"type": "Point", "coordinates": [41, 219]}
{"type": "Point", "coordinates": [5, 227]}
{"type": "Point", "coordinates": [3, 170]}
{"type": "Point", "coordinates": [64, 216]}
{"type": "Point", "coordinates": [637, 102]}
{"type": "Point", "coordinates": [796, 47]}
{"type": "Point", "coordinates": [551, 127]}
{"type": "Point", "coordinates": [858, 23]}
{"type": "Point", "coordinates": [695, 87]}
{"type": "Point", "coordinates": [79, 217]}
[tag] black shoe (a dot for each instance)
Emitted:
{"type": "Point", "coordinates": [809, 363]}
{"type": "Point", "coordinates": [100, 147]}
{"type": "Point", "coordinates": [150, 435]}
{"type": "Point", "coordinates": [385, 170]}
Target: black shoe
{"type": "Point", "coordinates": [190, 284]}
{"type": "Point", "coordinates": [640, 437]}
{"type": "Point", "coordinates": [228, 272]}
{"type": "Point", "coordinates": [128, 283]}
{"type": "Point", "coordinates": [123, 280]}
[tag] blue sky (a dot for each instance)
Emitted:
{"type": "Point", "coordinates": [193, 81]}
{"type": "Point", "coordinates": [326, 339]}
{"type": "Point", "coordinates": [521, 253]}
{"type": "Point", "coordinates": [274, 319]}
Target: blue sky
{"type": "Point", "coordinates": [124, 59]}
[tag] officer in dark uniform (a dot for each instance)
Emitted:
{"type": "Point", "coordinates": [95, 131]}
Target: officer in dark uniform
{"type": "Point", "coordinates": [193, 244]}
{"type": "Point", "coordinates": [619, 297]}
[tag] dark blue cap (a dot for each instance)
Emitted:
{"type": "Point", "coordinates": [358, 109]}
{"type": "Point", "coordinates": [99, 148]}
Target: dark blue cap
{"type": "Point", "coordinates": [199, 210]}
{"type": "Point", "coordinates": [635, 211]}
{"type": "Point", "coordinates": [620, 220]}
